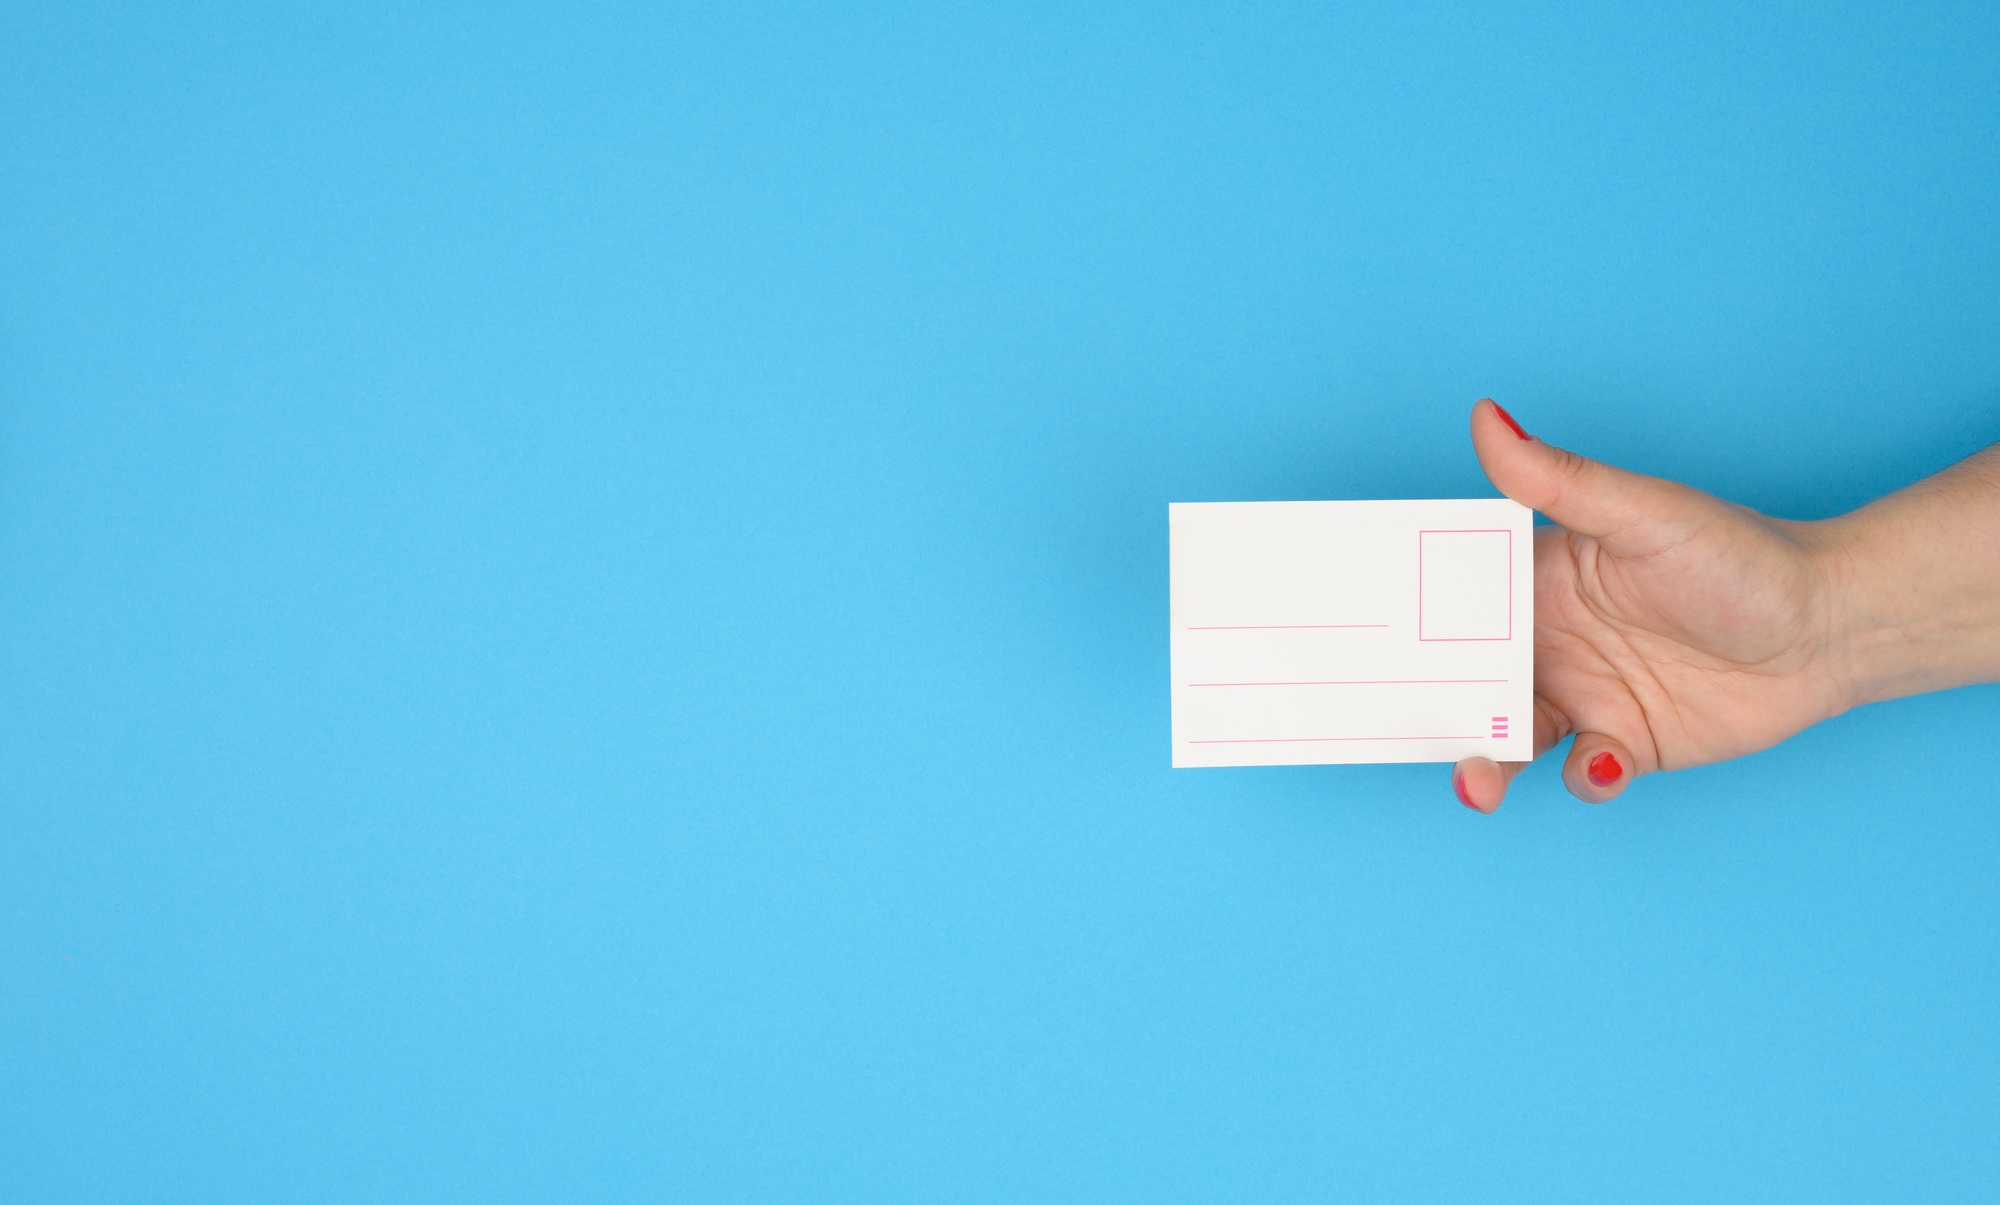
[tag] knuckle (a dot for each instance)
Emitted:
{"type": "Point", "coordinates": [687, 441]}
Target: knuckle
{"type": "Point", "coordinates": [1570, 467]}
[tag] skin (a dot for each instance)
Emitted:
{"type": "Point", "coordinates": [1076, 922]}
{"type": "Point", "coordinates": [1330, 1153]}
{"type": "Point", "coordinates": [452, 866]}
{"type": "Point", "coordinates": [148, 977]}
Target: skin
{"type": "Point", "coordinates": [1673, 629]}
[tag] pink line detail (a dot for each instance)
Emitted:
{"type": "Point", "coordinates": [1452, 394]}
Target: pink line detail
{"type": "Point", "coordinates": [1465, 531]}
{"type": "Point", "coordinates": [1298, 740]}
{"type": "Point", "coordinates": [1367, 682]}
{"type": "Point", "coordinates": [1281, 627]}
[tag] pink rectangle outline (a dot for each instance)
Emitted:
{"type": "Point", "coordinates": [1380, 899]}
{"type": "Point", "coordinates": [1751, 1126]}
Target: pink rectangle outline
{"type": "Point", "coordinates": [1464, 531]}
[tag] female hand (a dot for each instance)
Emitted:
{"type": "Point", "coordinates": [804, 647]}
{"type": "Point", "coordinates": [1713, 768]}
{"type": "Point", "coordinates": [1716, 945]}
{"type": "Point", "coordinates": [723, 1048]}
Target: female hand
{"type": "Point", "coordinates": [1674, 629]}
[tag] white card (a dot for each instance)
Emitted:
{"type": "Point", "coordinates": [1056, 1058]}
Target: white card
{"type": "Point", "coordinates": [1307, 633]}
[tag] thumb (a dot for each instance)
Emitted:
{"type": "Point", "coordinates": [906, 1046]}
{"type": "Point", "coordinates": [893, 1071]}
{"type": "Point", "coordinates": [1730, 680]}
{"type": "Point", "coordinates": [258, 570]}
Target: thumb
{"type": "Point", "coordinates": [1588, 498]}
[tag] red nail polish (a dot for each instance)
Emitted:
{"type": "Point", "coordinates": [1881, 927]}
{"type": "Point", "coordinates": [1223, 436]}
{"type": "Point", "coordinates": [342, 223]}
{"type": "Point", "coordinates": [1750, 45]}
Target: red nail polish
{"type": "Point", "coordinates": [1604, 770]}
{"type": "Point", "coordinates": [1508, 419]}
{"type": "Point", "coordinates": [1458, 786]}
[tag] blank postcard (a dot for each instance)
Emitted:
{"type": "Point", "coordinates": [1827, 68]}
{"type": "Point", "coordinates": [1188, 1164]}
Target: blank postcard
{"type": "Point", "coordinates": [1322, 632]}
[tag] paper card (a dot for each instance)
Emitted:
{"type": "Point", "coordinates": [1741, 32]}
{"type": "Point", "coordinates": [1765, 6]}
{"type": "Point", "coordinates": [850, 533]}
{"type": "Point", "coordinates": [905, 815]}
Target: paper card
{"type": "Point", "coordinates": [1308, 633]}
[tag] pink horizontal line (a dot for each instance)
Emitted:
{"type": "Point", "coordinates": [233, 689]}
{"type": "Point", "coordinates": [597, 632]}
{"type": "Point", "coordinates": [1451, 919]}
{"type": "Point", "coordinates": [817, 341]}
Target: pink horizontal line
{"type": "Point", "coordinates": [1368, 682]}
{"type": "Point", "coordinates": [1280, 627]}
{"type": "Point", "coordinates": [1296, 740]}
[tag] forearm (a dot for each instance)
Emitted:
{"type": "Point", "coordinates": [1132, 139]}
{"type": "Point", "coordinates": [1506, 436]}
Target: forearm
{"type": "Point", "coordinates": [1913, 585]}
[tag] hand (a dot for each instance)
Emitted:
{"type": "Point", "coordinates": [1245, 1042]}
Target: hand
{"type": "Point", "coordinates": [1672, 629]}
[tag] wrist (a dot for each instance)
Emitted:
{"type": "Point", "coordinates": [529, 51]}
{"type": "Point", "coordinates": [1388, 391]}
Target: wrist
{"type": "Point", "coordinates": [1860, 651]}
{"type": "Point", "coordinates": [1899, 615]}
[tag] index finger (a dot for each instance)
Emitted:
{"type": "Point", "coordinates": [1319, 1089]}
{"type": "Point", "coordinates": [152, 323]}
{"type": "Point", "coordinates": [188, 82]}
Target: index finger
{"type": "Point", "coordinates": [1481, 783]}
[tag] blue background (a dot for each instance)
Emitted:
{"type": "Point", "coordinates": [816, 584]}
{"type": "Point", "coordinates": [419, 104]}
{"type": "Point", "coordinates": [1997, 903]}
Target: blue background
{"type": "Point", "coordinates": [583, 602]}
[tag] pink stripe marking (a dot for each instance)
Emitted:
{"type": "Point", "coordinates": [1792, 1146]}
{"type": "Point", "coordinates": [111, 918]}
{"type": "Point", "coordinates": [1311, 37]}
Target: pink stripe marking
{"type": "Point", "coordinates": [1297, 740]}
{"type": "Point", "coordinates": [1367, 682]}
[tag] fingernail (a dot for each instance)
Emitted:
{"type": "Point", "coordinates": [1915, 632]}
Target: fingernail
{"type": "Point", "coordinates": [1508, 419]}
{"type": "Point", "coordinates": [1604, 770]}
{"type": "Point", "coordinates": [1458, 787]}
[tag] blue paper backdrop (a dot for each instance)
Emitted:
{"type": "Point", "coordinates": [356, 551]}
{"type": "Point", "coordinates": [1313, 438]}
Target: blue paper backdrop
{"type": "Point", "coordinates": [583, 601]}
